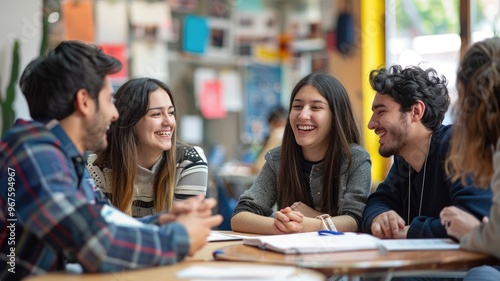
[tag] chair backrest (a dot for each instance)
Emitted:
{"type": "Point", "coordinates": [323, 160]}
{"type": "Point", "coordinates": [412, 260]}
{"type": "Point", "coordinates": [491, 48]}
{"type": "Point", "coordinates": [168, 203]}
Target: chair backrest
{"type": "Point", "coordinates": [216, 157]}
{"type": "Point", "coordinates": [225, 203]}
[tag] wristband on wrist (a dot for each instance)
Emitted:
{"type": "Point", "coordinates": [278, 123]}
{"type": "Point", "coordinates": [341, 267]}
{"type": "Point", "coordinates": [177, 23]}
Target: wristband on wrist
{"type": "Point", "coordinates": [327, 222]}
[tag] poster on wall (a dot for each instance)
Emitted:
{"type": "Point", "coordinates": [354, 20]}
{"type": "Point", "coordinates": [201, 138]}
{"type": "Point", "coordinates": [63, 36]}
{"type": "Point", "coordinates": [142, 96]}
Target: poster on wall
{"type": "Point", "coordinates": [118, 51]}
{"type": "Point", "coordinates": [78, 19]}
{"type": "Point", "coordinates": [111, 30]}
{"type": "Point", "coordinates": [195, 34]}
{"type": "Point", "coordinates": [149, 59]}
{"type": "Point", "coordinates": [211, 100]}
{"type": "Point", "coordinates": [219, 43]}
{"type": "Point", "coordinates": [262, 95]}
{"type": "Point", "coordinates": [183, 5]}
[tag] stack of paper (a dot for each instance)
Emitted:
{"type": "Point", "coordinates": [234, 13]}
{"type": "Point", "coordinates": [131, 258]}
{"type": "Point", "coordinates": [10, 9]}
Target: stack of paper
{"type": "Point", "coordinates": [219, 236]}
{"type": "Point", "coordinates": [419, 244]}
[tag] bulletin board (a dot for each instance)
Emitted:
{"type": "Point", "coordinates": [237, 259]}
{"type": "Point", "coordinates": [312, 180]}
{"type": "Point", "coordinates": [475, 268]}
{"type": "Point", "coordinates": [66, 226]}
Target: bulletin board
{"type": "Point", "coordinates": [262, 95]}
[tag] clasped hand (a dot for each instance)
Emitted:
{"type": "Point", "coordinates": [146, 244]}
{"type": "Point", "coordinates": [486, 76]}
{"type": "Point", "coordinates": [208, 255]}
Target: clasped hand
{"type": "Point", "coordinates": [195, 214]}
{"type": "Point", "coordinates": [291, 219]}
{"type": "Point", "coordinates": [195, 204]}
{"type": "Point", "coordinates": [288, 221]}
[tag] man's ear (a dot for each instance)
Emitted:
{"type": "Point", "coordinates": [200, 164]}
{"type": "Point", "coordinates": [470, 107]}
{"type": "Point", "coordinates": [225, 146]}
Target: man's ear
{"type": "Point", "coordinates": [83, 102]}
{"type": "Point", "coordinates": [417, 111]}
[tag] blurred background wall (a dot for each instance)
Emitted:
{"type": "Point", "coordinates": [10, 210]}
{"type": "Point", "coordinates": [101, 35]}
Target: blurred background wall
{"type": "Point", "coordinates": [230, 62]}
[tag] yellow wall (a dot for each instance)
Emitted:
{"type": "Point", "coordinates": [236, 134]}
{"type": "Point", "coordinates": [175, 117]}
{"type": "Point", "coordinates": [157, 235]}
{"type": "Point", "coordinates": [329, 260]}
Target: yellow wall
{"type": "Point", "coordinates": [373, 52]}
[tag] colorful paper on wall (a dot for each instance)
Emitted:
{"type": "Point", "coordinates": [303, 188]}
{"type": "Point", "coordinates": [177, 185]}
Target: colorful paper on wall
{"type": "Point", "coordinates": [78, 19]}
{"type": "Point", "coordinates": [111, 29]}
{"type": "Point", "coordinates": [202, 74]}
{"type": "Point", "coordinates": [220, 41]}
{"type": "Point", "coordinates": [195, 34]}
{"type": "Point", "coordinates": [266, 54]}
{"type": "Point", "coordinates": [183, 5]}
{"type": "Point", "coordinates": [261, 24]}
{"type": "Point", "coordinates": [120, 53]}
{"type": "Point", "coordinates": [211, 102]}
{"type": "Point", "coordinates": [191, 129]}
{"type": "Point", "coordinates": [149, 13]}
{"type": "Point", "coordinates": [252, 5]}
{"type": "Point", "coordinates": [149, 59]}
{"type": "Point", "coordinates": [231, 90]}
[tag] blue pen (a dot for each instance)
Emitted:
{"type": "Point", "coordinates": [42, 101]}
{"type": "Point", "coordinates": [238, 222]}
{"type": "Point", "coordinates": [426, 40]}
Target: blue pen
{"type": "Point", "coordinates": [217, 252]}
{"type": "Point", "coordinates": [329, 232]}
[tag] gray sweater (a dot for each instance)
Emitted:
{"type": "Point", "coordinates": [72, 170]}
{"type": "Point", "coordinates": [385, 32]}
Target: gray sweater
{"type": "Point", "coordinates": [353, 192]}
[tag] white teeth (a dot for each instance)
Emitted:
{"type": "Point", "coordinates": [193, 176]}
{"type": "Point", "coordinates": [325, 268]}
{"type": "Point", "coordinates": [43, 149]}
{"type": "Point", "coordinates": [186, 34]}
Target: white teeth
{"type": "Point", "coordinates": [164, 133]}
{"type": "Point", "coordinates": [306, 128]}
{"type": "Point", "coordinates": [381, 134]}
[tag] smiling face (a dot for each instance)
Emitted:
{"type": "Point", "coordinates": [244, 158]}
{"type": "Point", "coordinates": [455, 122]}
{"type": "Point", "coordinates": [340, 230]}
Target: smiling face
{"type": "Point", "coordinates": [390, 124]}
{"type": "Point", "coordinates": [155, 129]}
{"type": "Point", "coordinates": [310, 119]}
{"type": "Point", "coordinates": [105, 114]}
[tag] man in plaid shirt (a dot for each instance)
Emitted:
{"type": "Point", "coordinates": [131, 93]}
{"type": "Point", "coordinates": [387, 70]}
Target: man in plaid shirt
{"type": "Point", "coordinates": [49, 213]}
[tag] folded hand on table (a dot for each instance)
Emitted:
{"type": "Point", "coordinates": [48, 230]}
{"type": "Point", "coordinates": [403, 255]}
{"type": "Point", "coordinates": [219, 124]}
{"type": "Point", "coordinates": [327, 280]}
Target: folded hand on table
{"type": "Point", "coordinates": [288, 221]}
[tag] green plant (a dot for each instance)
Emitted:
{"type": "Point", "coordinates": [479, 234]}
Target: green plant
{"type": "Point", "coordinates": [8, 114]}
{"type": "Point", "coordinates": [44, 45]}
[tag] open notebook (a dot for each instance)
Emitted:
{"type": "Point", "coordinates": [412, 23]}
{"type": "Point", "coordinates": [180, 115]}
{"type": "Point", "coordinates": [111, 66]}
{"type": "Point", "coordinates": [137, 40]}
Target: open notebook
{"type": "Point", "coordinates": [312, 242]}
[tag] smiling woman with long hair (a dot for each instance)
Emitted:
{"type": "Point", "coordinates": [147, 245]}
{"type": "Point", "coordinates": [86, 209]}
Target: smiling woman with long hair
{"type": "Point", "coordinates": [144, 168]}
{"type": "Point", "coordinates": [320, 176]}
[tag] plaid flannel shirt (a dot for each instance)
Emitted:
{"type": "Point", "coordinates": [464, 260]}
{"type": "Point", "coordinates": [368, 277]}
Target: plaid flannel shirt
{"type": "Point", "coordinates": [49, 213]}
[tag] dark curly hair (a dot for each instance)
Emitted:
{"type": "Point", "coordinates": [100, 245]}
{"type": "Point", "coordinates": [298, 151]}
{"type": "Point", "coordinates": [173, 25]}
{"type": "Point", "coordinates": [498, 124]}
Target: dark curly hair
{"type": "Point", "coordinates": [408, 85]}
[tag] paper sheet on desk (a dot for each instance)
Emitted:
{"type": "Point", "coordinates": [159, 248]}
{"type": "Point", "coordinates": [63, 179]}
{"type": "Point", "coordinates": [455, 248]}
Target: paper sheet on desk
{"type": "Point", "coordinates": [247, 273]}
{"type": "Point", "coordinates": [117, 217]}
{"type": "Point", "coordinates": [219, 236]}
{"type": "Point", "coordinates": [419, 244]}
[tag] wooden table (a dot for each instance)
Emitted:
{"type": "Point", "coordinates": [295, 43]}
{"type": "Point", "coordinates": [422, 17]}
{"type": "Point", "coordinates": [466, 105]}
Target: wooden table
{"type": "Point", "coordinates": [206, 253]}
{"type": "Point", "coordinates": [170, 272]}
{"type": "Point", "coordinates": [356, 263]}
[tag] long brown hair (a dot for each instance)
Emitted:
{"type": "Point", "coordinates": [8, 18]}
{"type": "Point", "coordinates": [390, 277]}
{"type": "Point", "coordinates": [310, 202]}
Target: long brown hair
{"type": "Point", "coordinates": [343, 132]}
{"type": "Point", "coordinates": [132, 100]}
{"type": "Point", "coordinates": [477, 113]}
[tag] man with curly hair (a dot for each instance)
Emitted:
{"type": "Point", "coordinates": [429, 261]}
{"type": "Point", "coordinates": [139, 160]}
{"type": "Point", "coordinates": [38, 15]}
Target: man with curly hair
{"type": "Point", "coordinates": [408, 111]}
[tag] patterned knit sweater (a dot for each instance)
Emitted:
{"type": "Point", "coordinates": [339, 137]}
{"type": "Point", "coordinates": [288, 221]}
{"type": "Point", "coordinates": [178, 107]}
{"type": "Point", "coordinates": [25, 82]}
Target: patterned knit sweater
{"type": "Point", "coordinates": [191, 179]}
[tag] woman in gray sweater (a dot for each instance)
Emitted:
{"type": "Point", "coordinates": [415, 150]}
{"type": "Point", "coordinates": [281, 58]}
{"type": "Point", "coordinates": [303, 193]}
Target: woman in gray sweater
{"type": "Point", "coordinates": [320, 169]}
